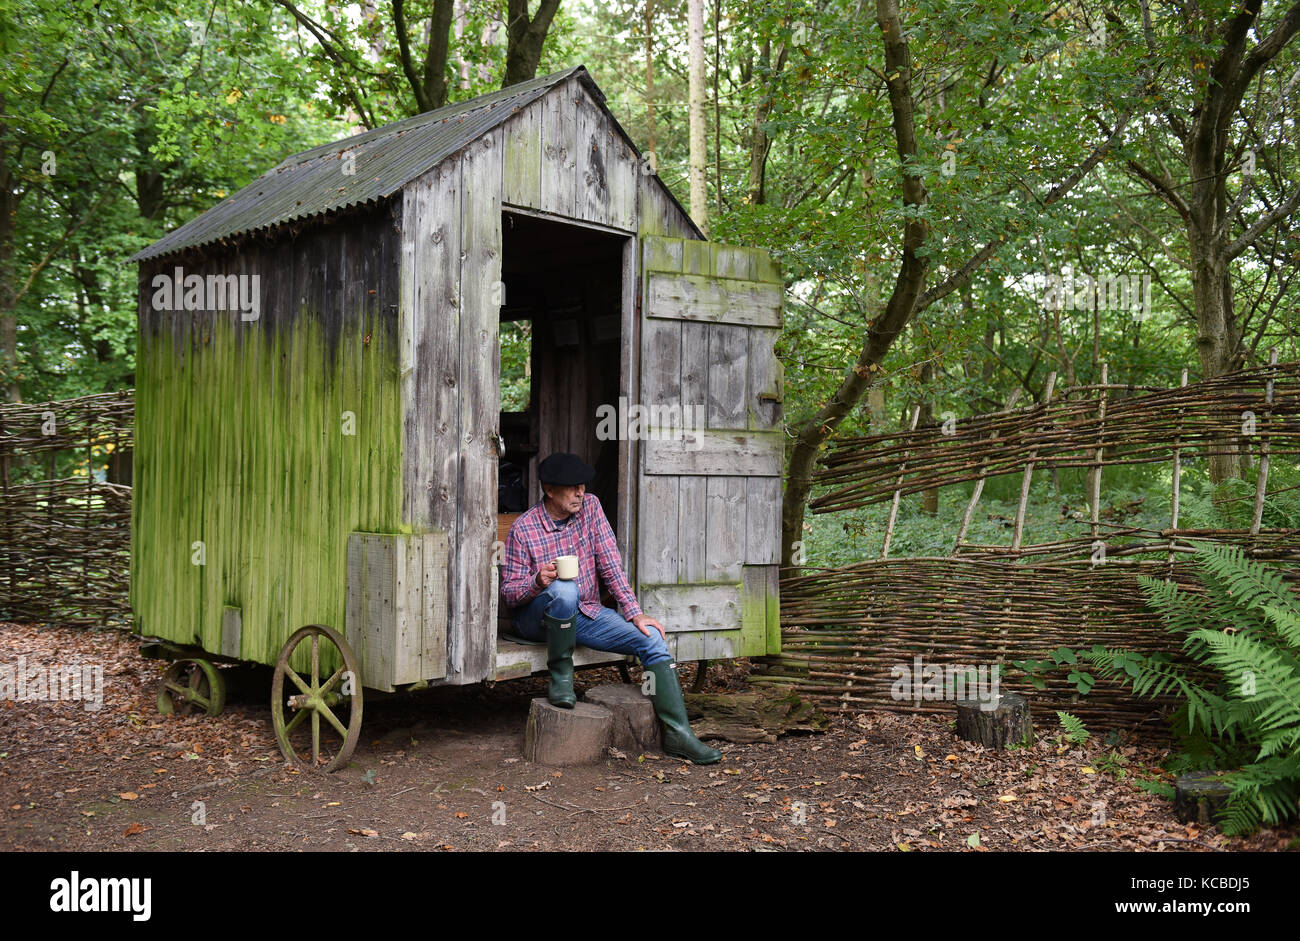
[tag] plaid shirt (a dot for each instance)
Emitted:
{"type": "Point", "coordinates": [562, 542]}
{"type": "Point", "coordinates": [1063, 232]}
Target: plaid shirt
{"type": "Point", "coordinates": [536, 539]}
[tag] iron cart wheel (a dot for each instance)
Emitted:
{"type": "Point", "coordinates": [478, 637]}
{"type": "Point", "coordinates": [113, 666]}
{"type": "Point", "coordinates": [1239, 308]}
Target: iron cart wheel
{"type": "Point", "coordinates": [192, 684]}
{"type": "Point", "coordinates": [316, 703]}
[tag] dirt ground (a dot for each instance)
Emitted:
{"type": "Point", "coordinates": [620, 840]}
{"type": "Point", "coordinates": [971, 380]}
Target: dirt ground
{"type": "Point", "coordinates": [443, 770]}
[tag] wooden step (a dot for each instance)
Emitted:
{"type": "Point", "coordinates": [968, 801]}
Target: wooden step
{"type": "Point", "coordinates": [516, 660]}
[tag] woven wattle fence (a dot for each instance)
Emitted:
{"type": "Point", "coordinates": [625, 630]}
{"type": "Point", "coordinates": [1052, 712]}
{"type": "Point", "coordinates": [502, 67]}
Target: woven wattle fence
{"type": "Point", "coordinates": [850, 634]}
{"type": "Point", "coordinates": [65, 541]}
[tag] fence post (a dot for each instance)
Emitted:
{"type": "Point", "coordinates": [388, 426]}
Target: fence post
{"type": "Point", "coordinates": [1261, 482]}
{"type": "Point", "coordinates": [1095, 497]}
{"type": "Point", "coordinates": [1176, 485]}
{"type": "Point", "coordinates": [893, 509]}
{"type": "Point", "coordinates": [1029, 472]}
{"type": "Point", "coordinates": [979, 483]}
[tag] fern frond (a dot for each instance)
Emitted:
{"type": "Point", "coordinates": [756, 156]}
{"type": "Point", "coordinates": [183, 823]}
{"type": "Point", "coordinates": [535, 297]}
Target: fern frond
{"type": "Point", "coordinates": [1286, 624]}
{"type": "Point", "coordinates": [1265, 791]}
{"type": "Point", "coordinates": [1181, 611]}
{"type": "Point", "coordinates": [1074, 728]}
{"type": "Point", "coordinates": [1252, 664]}
{"type": "Point", "coordinates": [1252, 583]}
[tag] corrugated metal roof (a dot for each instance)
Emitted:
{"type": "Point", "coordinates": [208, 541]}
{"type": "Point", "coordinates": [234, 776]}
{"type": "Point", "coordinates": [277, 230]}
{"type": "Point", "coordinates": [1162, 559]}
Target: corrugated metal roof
{"type": "Point", "coordinates": [386, 159]}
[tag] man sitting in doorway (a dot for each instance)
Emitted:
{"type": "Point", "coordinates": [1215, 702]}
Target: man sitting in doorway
{"type": "Point", "coordinates": [564, 613]}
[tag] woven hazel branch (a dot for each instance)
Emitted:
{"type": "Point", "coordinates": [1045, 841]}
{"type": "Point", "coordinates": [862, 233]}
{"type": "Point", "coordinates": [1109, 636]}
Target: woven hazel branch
{"type": "Point", "coordinates": [845, 630]}
{"type": "Point", "coordinates": [65, 543]}
{"type": "Point", "coordinates": [1206, 417]}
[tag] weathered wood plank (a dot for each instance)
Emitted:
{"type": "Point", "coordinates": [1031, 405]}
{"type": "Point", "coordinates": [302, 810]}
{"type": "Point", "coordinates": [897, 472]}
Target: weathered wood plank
{"type": "Point", "coordinates": [657, 530]}
{"type": "Point", "coordinates": [661, 363]}
{"type": "Point", "coordinates": [692, 527]}
{"type": "Point", "coordinates": [429, 307]}
{"type": "Point", "coordinates": [762, 520]}
{"type": "Point", "coordinates": [518, 660]}
{"type": "Point", "coordinates": [231, 631]}
{"type": "Point", "coordinates": [433, 601]}
{"type": "Point", "coordinates": [732, 261]}
{"type": "Point", "coordinates": [695, 371]}
{"type": "Point", "coordinates": [559, 137]}
{"type": "Point", "coordinates": [629, 383]}
{"type": "Point", "coordinates": [773, 609]}
{"type": "Point", "coordinates": [658, 214]}
{"type": "Point", "coordinates": [725, 453]}
{"type": "Point", "coordinates": [591, 156]}
{"type": "Point", "coordinates": [728, 376]}
{"type": "Point", "coordinates": [522, 162]}
{"type": "Point", "coordinates": [693, 607]}
{"type": "Point", "coordinates": [725, 525]}
{"type": "Point", "coordinates": [720, 300]}
{"type": "Point", "coordinates": [754, 603]}
{"type": "Point", "coordinates": [766, 389]}
{"type": "Point", "coordinates": [663, 254]}
{"type": "Point", "coordinates": [698, 258]}
{"type": "Point", "coordinates": [371, 593]}
{"type": "Point", "coordinates": [479, 406]}
{"type": "Point", "coordinates": [621, 170]}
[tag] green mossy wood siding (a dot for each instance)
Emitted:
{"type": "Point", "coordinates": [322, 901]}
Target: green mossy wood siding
{"type": "Point", "coordinates": [240, 438]}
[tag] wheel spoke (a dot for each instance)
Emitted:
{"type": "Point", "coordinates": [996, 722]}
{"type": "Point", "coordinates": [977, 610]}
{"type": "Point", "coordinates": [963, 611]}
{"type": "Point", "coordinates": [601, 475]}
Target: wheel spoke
{"type": "Point", "coordinates": [333, 720]}
{"type": "Point", "coordinates": [297, 680]}
{"type": "Point", "coordinates": [295, 721]}
{"type": "Point", "coordinates": [178, 689]}
{"type": "Point", "coordinates": [334, 678]}
{"type": "Point", "coordinates": [315, 661]}
{"type": "Point", "coordinates": [315, 736]}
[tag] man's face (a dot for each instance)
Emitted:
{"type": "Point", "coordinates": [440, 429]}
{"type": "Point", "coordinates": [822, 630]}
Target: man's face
{"type": "Point", "coordinates": [566, 499]}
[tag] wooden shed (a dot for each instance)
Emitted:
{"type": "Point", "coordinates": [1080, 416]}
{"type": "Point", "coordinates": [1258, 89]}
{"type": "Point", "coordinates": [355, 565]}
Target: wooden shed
{"type": "Point", "coordinates": [319, 419]}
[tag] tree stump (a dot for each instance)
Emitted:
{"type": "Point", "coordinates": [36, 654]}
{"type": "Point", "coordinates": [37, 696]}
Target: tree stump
{"type": "Point", "coordinates": [1008, 723]}
{"type": "Point", "coordinates": [1200, 797]}
{"type": "Point", "coordinates": [576, 736]}
{"type": "Point", "coordinates": [635, 727]}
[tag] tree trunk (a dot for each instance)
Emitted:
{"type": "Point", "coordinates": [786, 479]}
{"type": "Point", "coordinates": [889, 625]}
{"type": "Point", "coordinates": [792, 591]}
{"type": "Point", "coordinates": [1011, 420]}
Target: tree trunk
{"type": "Point", "coordinates": [8, 314]}
{"type": "Point", "coordinates": [698, 154]}
{"type": "Point", "coordinates": [900, 307]}
{"type": "Point", "coordinates": [929, 496]}
{"type": "Point", "coordinates": [525, 38]}
{"type": "Point", "coordinates": [650, 84]}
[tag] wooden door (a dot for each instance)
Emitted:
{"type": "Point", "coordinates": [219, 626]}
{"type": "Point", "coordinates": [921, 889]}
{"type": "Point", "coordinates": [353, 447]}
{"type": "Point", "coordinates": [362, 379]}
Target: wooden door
{"type": "Point", "coordinates": [709, 507]}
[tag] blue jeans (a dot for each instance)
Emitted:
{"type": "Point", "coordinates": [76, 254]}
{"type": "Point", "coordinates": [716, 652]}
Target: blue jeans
{"type": "Point", "coordinates": [607, 631]}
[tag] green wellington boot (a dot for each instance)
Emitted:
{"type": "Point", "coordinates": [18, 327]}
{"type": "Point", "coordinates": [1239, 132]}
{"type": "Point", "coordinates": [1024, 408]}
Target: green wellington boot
{"type": "Point", "coordinates": [679, 740]}
{"type": "Point", "coordinates": [561, 638]}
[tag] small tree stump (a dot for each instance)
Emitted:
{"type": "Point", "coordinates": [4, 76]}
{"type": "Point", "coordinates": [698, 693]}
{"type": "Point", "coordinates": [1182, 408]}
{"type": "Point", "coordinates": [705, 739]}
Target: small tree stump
{"type": "Point", "coordinates": [1008, 723]}
{"type": "Point", "coordinates": [1199, 797]}
{"type": "Point", "coordinates": [576, 736]}
{"type": "Point", "coordinates": [635, 727]}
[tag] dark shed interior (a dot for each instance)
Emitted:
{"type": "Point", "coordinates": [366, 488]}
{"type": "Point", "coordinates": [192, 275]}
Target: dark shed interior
{"type": "Point", "coordinates": [563, 303]}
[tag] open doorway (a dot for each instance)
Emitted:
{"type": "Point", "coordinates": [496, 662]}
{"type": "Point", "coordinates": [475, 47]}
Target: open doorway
{"type": "Point", "coordinates": [561, 349]}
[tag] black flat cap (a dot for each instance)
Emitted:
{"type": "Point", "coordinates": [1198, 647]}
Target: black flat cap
{"type": "Point", "coordinates": [565, 469]}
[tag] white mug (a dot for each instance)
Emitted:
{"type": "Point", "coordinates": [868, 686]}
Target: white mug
{"type": "Point", "coordinates": [566, 567]}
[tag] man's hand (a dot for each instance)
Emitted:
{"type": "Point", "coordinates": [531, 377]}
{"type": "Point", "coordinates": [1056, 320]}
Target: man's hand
{"type": "Point", "coordinates": [641, 620]}
{"type": "Point", "coordinates": [545, 575]}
